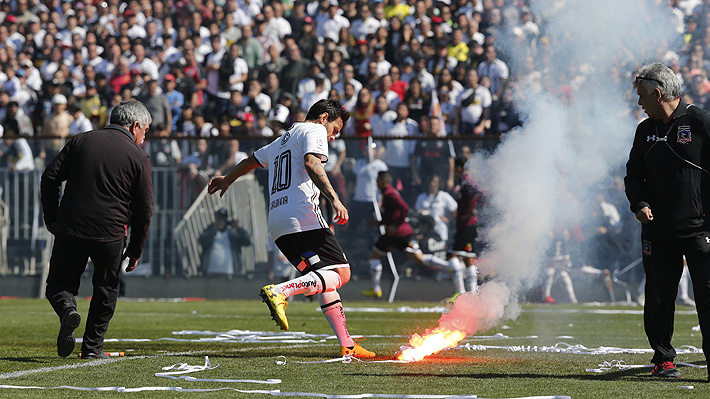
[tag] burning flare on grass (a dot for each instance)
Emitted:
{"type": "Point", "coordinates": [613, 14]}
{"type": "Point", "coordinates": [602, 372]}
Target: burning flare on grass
{"type": "Point", "coordinates": [470, 313]}
{"type": "Point", "coordinates": [432, 342]}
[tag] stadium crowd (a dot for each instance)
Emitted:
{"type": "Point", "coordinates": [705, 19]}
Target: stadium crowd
{"type": "Point", "coordinates": [245, 70]}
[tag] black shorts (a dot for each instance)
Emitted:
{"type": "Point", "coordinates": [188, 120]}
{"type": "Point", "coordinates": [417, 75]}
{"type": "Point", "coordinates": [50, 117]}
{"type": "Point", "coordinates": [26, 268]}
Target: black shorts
{"type": "Point", "coordinates": [312, 250]}
{"type": "Point", "coordinates": [406, 243]}
{"type": "Point", "coordinates": [464, 241]}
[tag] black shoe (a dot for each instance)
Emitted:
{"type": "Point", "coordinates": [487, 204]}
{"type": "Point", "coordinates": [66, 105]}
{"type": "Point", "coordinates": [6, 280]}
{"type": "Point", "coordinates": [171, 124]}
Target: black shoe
{"type": "Point", "coordinates": [66, 338]}
{"type": "Point", "coordinates": [89, 356]}
{"type": "Point", "coordinates": [665, 370]}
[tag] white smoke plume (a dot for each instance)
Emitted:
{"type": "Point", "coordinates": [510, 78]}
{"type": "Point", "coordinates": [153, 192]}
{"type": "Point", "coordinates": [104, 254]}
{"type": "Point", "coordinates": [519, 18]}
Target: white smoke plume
{"type": "Point", "coordinates": [544, 173]}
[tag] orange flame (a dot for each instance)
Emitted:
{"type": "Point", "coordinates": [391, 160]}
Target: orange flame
{"type": "Point", "coordinates": [432, 342]}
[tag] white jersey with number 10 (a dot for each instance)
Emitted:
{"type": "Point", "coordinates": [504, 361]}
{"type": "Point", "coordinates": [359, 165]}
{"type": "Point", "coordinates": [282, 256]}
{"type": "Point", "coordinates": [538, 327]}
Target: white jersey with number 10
{"type": "Point", "coordinates": [294, 198]}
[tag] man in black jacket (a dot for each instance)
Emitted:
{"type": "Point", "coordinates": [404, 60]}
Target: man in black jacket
{"type": "Point", "coordinates": [108, 189]}
{"type": "Point", "coordinates": [667, 186]}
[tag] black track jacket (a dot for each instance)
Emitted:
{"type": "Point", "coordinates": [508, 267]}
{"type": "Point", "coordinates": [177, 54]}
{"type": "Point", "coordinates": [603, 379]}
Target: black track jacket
{"type": "Point", "coordinates": [108, 187]}
{"type": "Point", "coordinates": [676, 191]}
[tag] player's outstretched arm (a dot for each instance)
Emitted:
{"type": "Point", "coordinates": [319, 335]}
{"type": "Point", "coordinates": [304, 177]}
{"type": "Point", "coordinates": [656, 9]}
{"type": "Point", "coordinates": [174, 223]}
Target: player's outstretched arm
{"type": "Point", "coordinates": [222, 183]}
{"type": "Point", "coordinates": [316, 172]}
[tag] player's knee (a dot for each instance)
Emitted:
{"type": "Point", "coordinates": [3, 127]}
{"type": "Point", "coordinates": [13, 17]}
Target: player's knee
{"type": "Point", "coordinates": [344, 273]}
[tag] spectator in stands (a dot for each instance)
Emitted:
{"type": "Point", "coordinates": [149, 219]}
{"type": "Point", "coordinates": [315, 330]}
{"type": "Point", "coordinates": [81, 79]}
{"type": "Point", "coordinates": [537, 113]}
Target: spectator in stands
{"type": "Point", "coordinates": [163, 150]}
{"type": "Point", "coordinates": [438, 204]}
{"type": "Point", "coordinates": [418, 102]}
{"type": "Point", "coordinates": [296, 70]}
{"type": "Point", "coordinates": [198, 168]}
{"type": "Point", "coordinates": [175, 98]}
{"type": "Point", "coordinates": [158, 105]}
{"type": "Point", "coordinates": [496, 70]}
{"type": "Point", "coordinates": [398, 152]}
{"type": "Point", "coordinates": [16, 153]}
{"type": "Point", "coordinates": [222, 244]}
{"type": "Point", "coordinates": [218, 70]}
{"type": "Point", "coordinates": [364, 198]}
{"type": "Point", "coordinates": [16, 121]}
{"type": "Point", "coordinates": [364, 108]}
{"type": "Point", "coordinates": [81, 123]}
{"type": "Point", "coordinates": [320, 93]}
{"type": "Point", "coordinates": [433, 157]}
{"type": "Point", "coordinates": [142, 63]}
{"type": "Point", "coordinates": [262, 130]}
{"type": "Point", "coordinates": [348, 77]}
{"type": "Point", "coordinates": [473, 107]}
{"type": "Point", "coordinates": [385, 89]}
{"type": "Point", "coordinates": [202, 127]}
{"type": "Point", "coordinates": [331, 24]}
{"type": "Point", "coordinates": [56, 125]}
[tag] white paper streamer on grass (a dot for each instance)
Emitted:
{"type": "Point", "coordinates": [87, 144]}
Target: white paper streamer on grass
{"type": "Point", "coordinates": [238, 336]}
{"type": "Point", "coordinates": [247, 336]}
{"type": "Point", "coordinates": [621, 365]}
{"type": "Point", "coordinates": [281, 360]}
{"type": "Point", "coordinates": [562, 347]}
{"type": "Point", "coordinates": [184, 368]}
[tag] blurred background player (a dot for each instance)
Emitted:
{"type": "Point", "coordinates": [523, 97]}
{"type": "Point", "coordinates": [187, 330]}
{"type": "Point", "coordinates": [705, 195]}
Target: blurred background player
{"type": "Point", "coordinates": [468, 198]}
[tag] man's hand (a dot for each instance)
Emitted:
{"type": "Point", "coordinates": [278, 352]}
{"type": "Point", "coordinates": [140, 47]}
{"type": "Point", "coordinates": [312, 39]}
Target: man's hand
{"type": "Point", "coordinates": [341, 212]}
{"type": "Point", "coordinates": [132, 262]}
{"type": "Point", "coordinates": [644, 215]}
{"type": "Point", "coordinates": [218, 183]}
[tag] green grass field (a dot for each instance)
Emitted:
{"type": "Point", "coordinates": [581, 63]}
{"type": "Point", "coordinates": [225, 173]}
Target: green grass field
{"type": "Point", "coordinates": [28, 353]}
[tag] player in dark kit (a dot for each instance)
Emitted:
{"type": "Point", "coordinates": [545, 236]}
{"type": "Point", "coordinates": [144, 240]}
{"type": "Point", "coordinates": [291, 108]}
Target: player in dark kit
{"type": "Point", "coordinates": [468, 197]}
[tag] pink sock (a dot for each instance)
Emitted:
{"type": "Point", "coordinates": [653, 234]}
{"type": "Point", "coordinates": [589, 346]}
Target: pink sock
{"type": "Point", "coordinates": [333, 311]}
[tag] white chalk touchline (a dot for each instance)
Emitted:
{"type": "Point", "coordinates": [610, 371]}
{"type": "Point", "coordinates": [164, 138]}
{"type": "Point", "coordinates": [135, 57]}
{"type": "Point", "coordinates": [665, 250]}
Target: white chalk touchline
{"type": "Point", "coordinates": [83, 363]}
{"type": "Point", "coordinates": [278, 393]}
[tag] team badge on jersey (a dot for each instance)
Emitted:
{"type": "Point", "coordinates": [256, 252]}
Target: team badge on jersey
{"type": "Point", "coordinates": [285, 137]}
{"type": "Point", "coordinates": [684, 134]}
{"type": "Point", "coordinates": [646, 247]}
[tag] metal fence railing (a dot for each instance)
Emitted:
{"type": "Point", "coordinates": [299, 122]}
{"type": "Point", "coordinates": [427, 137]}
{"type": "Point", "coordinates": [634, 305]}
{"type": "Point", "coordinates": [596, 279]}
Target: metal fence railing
{"type": "Point", "coordinates": [171, 248]}
{"type": "Point", "coordinates": [243, 201]}
{"type": "Point", "coordinates": [4, 229]}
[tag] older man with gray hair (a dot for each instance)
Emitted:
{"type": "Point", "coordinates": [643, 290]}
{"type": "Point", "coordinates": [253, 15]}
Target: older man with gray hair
{"type": "Point", "coordinates": [108, 189]}
{"type": "Point", "coordinates": [667, 186]}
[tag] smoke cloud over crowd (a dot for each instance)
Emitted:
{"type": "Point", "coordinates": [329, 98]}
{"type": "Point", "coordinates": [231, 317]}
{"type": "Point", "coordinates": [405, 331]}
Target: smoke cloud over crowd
{"type": "Point", "coordinates": [547, 173]}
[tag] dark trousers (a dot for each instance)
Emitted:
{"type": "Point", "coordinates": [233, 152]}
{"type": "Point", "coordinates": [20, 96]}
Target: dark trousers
{"type": "Point", "coordinates": [663, 265]}
{"type": "Point", "coordinates": [69, 258]}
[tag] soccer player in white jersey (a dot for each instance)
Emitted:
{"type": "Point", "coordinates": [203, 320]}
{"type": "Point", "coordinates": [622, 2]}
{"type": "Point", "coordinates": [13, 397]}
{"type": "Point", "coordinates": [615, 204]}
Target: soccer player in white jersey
{"type": "Point", "coordinates": [297, 178]}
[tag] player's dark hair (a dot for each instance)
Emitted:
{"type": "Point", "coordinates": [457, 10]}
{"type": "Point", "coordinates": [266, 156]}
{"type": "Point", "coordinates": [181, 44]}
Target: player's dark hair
{"type": "Point", "coordinates": [330, 106]}
{"type": "Point", "coordinates": [386, 175]}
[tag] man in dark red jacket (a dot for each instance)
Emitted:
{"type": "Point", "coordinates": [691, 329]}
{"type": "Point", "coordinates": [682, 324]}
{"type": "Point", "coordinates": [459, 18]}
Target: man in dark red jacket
{"type": "Point", "coordinates": [108, 188]}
